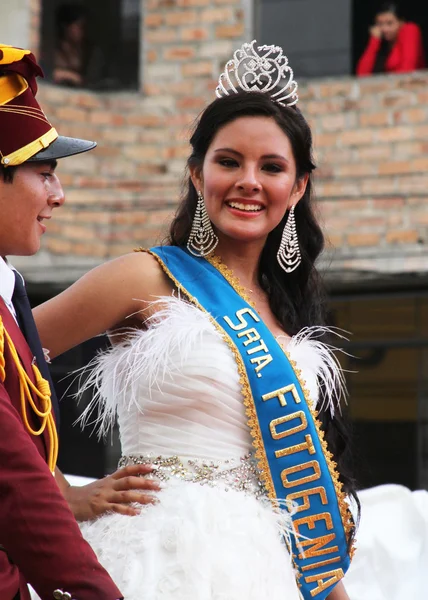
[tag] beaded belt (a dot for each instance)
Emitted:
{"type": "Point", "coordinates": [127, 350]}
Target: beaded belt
{"type": "Point", "coordinates": [241, 474]}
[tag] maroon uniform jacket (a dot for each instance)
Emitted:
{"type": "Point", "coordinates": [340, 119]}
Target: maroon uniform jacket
{"type": "Point", "coordinates": [40, 541]}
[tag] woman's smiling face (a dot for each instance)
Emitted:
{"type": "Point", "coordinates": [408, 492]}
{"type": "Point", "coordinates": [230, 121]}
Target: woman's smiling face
{"type": "Point", "coordinates": [248, 179]}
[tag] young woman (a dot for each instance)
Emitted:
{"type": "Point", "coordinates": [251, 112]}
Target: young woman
{"type": "Point", "coordinates": [395, 46]}
{"type": "Point", "coordinates": [216, 371]}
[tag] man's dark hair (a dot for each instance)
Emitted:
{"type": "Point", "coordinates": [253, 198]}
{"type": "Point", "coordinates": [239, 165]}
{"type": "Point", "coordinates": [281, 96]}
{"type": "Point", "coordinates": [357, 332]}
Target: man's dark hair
{"type": "Point", "coordinates": [7, 173]}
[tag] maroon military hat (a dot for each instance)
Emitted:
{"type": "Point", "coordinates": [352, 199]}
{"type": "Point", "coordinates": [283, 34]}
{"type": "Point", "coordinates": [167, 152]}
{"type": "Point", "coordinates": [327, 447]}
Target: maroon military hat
{"type": "Point", "coordinates": [25, 132]}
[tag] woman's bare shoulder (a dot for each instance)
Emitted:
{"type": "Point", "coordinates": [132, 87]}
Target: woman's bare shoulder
{"type": "Point", "coordinates": [133, 270]}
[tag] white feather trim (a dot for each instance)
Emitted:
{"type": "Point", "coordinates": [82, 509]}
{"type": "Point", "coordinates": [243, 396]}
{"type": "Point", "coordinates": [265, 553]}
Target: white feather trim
{"type": "Point", "coordinates": [153, 355]}
{"type": "Point", "coordinates": [305, 348]}
{"type": "Point", "coordinates": [115, 374]}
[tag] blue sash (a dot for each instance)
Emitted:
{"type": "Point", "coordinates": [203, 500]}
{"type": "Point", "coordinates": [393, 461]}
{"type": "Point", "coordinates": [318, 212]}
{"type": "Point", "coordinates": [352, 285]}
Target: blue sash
{"type": "Point", "coordinates": [292, 454]}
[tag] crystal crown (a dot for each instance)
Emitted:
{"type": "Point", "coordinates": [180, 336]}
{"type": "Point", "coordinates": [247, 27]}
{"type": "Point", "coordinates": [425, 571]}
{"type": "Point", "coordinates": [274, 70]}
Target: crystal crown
{"type": "Point", "coordinates": [262, 69]}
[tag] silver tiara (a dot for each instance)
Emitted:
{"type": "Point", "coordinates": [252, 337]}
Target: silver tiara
{"type": "Point", "coordinates": [263, 69]}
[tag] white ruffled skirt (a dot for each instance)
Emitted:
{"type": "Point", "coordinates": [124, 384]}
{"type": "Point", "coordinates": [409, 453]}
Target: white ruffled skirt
{"type": "Point", "coordinates": [197, 543]}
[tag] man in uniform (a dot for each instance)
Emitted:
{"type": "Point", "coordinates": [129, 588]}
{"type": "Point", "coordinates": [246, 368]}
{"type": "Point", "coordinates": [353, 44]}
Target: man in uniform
{"type": "Point", "coordinates": [40, 541]}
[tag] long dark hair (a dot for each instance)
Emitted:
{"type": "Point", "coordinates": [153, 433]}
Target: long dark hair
{"type": "Point", "coordinates": [391, 7]}
{"type": "Point", "coordinates": [297, 299]}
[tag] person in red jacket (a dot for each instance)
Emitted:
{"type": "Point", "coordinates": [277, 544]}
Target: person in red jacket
{"type": "Point", "coordinates": [40, 541]}
{"type": "Point", "coordinates": [395, 46]}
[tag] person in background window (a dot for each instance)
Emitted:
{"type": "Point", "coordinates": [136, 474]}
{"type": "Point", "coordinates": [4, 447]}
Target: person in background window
{"type": "Point", "coordinates": [395, 46]}
{"type": "Point", "coordinates": [71, 52]}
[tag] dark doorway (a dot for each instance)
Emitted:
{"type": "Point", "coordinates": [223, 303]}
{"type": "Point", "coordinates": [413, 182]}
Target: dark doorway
{"type": "Point", "coordinates": [386, 373]}
{"type": "Point", "coordinates": [81, 452]}
{"type": "Point", "coordinates": [363, 17]}
{"type": "Point", "coordinates": [112, 41]}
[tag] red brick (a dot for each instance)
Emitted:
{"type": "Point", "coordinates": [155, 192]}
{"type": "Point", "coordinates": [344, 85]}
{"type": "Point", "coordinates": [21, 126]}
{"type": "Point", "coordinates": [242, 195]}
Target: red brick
{"type": "Point", "coordinates": [89, 249]}
{"type": "Point", "coordinates": [161, 36]}
{"type": "Point", "coordinates": [394, 167]}
{"type": "Point", "coordinates": [356, 137]}
{"type": "Point", "coordinates": [419, 217]}
{"type": "Point", "coordinates": [356, 170]}
{"type": "Point", "coordinates": [191, 102]}
{"type": "Point", "coordinates": [402, 236]}
{"type": "Point", "coordinates": [194, 33]}
{"type": "Point", "coordinates": [334, 240]}
{"type": "Point", "coordinates": [411, 115]}
{"type": "Point", "coordinates": [378, 186]}
{"type": "Point", "coordinates": [375, 152]}
{"type": "Point", "coordinates": [388, 203]}
{"type": "Point", "coordinates": [363, 239]}
{"type": "Point", "coordinates": [151, 56]}
{"type": "Point", "coordinates": [139, 152]}
{"type": "Point", "coordinates": [144, 120]}
{"type": "Point", "coordinates": [153, 20]}
{"type": "Point", "coordinates": [338, 189]}
{"type": "Point", "coordinates": [421, 200]}
{"type": "Point", "coordinates": [334, 88]}
{"type": "Point", "coordinates": [58, 246]}
{"type": "Point", "coordinates": [369, 222]}
{"type": "Point", "coordinates": [333, 122]}
{"type": "Point", "coordinates": [190, 3]}
{"type": "Point", "coordinates": [196, 69]}
{"type": "Point", "coordinates": [376, 119]}
{"type": "Point", "coordinates": [216, 15]}
{"type": "Point", "coordinates": [129, 218]}
{"type": "Point", "coordinates": [416, 165]}
{"type": "Point", "coordinates": [106, 118]}
{"type": "Point", "coordinates": [86, 100]}
{"type": "Point", "coordinates": [394, 100]}
{"type": "Point", "coordinates": [410, 184]}
{"type": "Point", "coordinates": [183, 17]}
{"type": "Point", "coordinates": [338, 206]}
{"type": "Point", "coordinates": [180, 53]}
{"type": "Point", "coordinates": [325, 139]}
{"type": "Point", "coordinates": [230, 31]}
{"type": "Point", "coordinates": [321, 106]}
{"type": "Point", "coordinates": [394, 134]}
{"type": "Point", "coordinates": [68, 113]}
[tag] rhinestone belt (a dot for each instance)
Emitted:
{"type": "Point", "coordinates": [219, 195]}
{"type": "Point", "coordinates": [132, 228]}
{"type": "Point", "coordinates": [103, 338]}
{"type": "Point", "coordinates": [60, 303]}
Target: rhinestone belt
{"type": "Point", "coordinates": [241, 474]}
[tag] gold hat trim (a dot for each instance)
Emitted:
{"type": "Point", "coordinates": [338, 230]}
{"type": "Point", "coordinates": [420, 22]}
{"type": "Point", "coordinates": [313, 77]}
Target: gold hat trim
{"type": "Point", "coordinates": [22, 154]}
{"type": "Point", "coordinates": [11, 86]}
{"type": "Point", "coordinates": [12, 54]}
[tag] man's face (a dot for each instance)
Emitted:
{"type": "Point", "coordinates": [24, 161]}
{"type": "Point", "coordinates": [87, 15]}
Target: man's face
{"type": "Point", "coordinates": [25, 205]}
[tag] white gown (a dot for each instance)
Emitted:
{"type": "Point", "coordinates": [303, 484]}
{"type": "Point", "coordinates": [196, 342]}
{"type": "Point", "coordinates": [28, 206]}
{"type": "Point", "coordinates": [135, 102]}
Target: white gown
{"type": "Point", "coordinates": [176, 392]}
{"type": "Point", "coordinates": [391, 561]}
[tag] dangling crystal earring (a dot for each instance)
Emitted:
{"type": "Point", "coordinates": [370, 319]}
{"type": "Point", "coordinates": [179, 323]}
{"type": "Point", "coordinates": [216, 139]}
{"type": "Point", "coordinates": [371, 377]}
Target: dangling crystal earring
{"type": "Point", "coordinates": [202, 239]}
{"type": "Point", "coordinates": [288, 254]}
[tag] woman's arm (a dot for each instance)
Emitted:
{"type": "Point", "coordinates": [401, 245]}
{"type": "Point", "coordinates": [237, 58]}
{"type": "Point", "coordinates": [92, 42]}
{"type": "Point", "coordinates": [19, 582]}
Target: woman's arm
{"type": "Point", "coordinates": [102, 299]}
{"type": "Point", "coordinates": [339, 593]}
{"type": "Point", "coordinates": [411, 47]}
{"type": "Point", "coordinates": [368, 58]}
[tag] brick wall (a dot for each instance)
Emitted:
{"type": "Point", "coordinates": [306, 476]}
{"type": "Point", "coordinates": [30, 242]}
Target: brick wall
{"type": "Point", "coordinates": [372, 183]}
{"type": "Point", "coordinates": [370, 139]}
{"type": "Point", "coordinates": [34, 8]}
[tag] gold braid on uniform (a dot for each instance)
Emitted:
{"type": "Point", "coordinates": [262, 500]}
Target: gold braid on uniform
{"type": "Point", "coordinates": [42, 391]}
